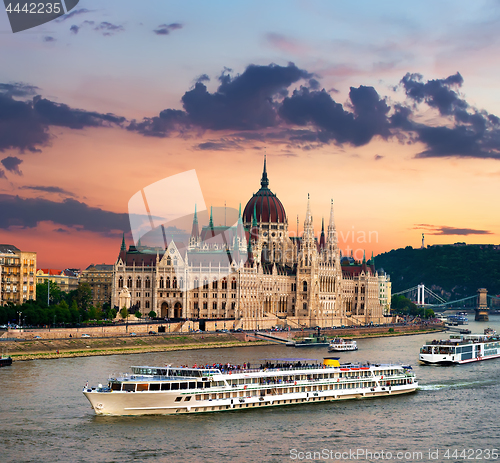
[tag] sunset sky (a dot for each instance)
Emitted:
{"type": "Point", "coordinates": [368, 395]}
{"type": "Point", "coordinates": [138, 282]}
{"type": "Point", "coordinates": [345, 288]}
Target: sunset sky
{"type": "Point", "coordinates": [390, 108]}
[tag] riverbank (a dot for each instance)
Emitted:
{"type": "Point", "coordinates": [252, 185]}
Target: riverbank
{"type": "Point", "coordinates": [85, 347]}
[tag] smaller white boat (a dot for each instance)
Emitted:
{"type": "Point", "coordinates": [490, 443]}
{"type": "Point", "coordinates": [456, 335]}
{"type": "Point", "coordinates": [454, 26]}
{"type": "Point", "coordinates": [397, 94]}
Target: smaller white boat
{"type": "Point", "coordinates": [342, 345]}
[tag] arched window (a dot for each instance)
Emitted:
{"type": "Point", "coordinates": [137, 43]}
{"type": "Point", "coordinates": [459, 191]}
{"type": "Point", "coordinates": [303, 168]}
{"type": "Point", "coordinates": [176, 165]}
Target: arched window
{"type": "Point", "coordinates": [168, 283]}
{"type": "Point", "coordinates": [224, 283]}
{"type": "Point", "coordinates": [129, 282]}
{"type": "Point", "coordinates": [181, 283]}
{"type": "Point", "coordinates": [120, 282]}
{"type": "Point", "coordinates": [147, 304]}
{"type": "Point", "coordinates": [138, 283]}
{"type": "Point", "coordinates": [147, 283]}
{"type": "Point", "coordinates": [233, 283]}
{"type": "Point", "coordinates": [304, 306]}
{"type": "Point", "coordinates": [196, 283]}
{"type": "Point", "coordinates": [304, 286]}
{"type": "Point", "coordinates": [174, 283]}
{"type": "Point", "coordinates": [162, 283]}
{"type": "Point", "coordinates": [205, 283]}
{"type": "Point", "coordinates": [214, 284]}
{"type": "Point", "coordinates": [169, 261]}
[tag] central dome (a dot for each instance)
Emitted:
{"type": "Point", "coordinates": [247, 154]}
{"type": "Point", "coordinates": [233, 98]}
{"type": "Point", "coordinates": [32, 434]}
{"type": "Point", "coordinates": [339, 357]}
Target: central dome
{"type": "Point", "coordinates": [267, 206]}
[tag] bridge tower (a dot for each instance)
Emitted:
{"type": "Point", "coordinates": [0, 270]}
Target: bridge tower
{"type": "Point", "coordinates": [421, 294]}
{"type": "Point", "coordinates": [482, 305]}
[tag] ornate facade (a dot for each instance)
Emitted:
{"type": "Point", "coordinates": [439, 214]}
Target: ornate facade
{"type": "Point", "coordinates": [253, 273]}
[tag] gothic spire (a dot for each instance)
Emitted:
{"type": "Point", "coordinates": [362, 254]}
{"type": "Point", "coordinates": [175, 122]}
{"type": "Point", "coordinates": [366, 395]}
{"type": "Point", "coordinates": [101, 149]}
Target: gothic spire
{"type": "Point", "coordinates": [123, 248]}
{"type": "Point", "coordinates": [195, 233]}
{"type": "Point", "coordinates": [322, 237]}
{"type": "Point", "coordinates": [264, 181]}
{"type": "Point", "coordinates": [332, 219]}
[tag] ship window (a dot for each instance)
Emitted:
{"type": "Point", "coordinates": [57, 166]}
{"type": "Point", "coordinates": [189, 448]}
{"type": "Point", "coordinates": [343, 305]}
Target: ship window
{"type": "Point", "coordinates": [174, 386]}
{"type": "Point", "coordinates": [128, 387]}
{"type": "Point", "coordinates": [198, 397]}
{"type": "Point", "coordinates": [115, 386]}
{"type": "Point", "coordinates": [165, 386]}
{"type": "Point", "coordinates": [154, 387]}
{"type": "Point", "coordinates": [207, 384]}
{"type": "Point", "coordinates": [199, 385]}
{"type": "Point", "coordinates": [188, 398]}
{"type": "Point", "coordinates": [142, 387]}
{"type": "Point", "coordinates": [192, 385]}
{"type": "Point", "coordinates": [183, 386]}
{"type": "Point", "coordinates": [178, 399]}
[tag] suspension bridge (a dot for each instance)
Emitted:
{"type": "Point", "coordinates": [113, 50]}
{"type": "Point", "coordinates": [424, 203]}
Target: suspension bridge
{"type": "Point", "coordinates": [424, 297]}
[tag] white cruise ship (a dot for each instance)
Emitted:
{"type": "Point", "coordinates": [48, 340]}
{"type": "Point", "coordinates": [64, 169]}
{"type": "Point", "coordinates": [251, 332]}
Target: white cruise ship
{"type": "Point", "coordinates": [342, 345]}
{"type": "Point", "coordinates": [181, 390]}
{"type": "Point", "coordinates": [462, 348]}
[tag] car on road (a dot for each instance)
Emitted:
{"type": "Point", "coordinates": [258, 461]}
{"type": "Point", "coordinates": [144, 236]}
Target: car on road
{"type": "Point", "coordinates": [152, 332]}
{"type": "Point", "coordinates": [85, 335]}
{"type": "Point", "coordinates": [133, 334]}
{"type": "Point", "coordinates": [37, 337]}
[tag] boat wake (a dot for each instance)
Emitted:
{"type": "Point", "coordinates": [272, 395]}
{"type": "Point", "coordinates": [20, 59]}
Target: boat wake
{"type": "Point", "coordinates": [466, 384]}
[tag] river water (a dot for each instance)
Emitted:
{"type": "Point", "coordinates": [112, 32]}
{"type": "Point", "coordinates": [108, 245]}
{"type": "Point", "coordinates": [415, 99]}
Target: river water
{"type": "Point", "coordinates": [44, 417]}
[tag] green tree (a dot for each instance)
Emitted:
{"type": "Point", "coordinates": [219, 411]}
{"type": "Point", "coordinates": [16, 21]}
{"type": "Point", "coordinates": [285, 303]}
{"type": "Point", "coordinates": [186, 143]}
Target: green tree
{"type": "Point", "coordinates": [152, 314]}
{"type": "Point", "coordinates": [84, 296]}
{"type": "Point", "coordinates": [55, 293]}
{"type": "Point", "coordinates": [138, 314]}
{"type": "Point", "coordinates": [124, 313]}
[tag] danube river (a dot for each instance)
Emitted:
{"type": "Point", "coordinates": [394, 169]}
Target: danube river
{"type": "Point", "coordinates": [46, 418]}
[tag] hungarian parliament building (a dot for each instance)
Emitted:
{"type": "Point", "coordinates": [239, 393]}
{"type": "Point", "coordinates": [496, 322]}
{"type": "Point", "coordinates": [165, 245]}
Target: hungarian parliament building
{"type": "Point", "coordinates": [253, 274]}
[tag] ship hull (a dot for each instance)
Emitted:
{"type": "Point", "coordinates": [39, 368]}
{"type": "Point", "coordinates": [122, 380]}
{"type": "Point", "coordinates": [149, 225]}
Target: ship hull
{"type": "Point", "coordinates": [158, 403]}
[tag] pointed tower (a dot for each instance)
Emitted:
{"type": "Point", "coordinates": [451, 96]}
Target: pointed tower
{"type": "Point", "coordinates": [308, 245]}
{"type": "Point", "coordinates": [194, 239]}
{"type": "Point", "coordinates": [322, 237]}
{"type": "Point", "coordinates": [211, 231]}
{"type": "Point", "coordinates": [331, 239]}
{"type": "Point", "coordinates": [123, 247]}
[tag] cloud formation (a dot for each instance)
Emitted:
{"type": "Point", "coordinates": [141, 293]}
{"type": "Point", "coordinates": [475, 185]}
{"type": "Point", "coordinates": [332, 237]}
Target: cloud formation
{"type": "Point", "coordinates": [24, 124]}
{"type": "Point", "coordinates": [28, 213]}
{"type": "Point", "coordinates": [48, 189]}
{"type": "Point", "coordinates": [470, 132]}
{"type": "Point", "coordinates": [165, 29]}
{"type": "Point", "coordinates": [445, 230]}
{"type": "Point", "coordinates": [11, 163]}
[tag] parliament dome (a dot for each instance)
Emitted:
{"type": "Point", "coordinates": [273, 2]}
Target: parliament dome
{"type": "Point", "coordinates": [267, 206]}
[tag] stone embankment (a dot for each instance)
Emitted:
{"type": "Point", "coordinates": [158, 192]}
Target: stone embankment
{"type": "Point", "coordinates": [30, 348]}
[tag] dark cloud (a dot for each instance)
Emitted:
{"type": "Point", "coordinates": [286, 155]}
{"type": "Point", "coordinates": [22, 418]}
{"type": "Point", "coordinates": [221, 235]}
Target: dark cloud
{"type": "Point", "coordinates": [74, 28]}
{"type": "Point", "coordinates": [445, 230]}
{"type": "Point", "coordinates": [18, 89]}
{"type": "Point", "coordinates": [28, 213]}
{"type": "Point", "coordinates": [11, 163]}
{"type": "Point", "coordinates": [48, 38]}
{"type": "Point", "coordinates": [78, 12]}
{"type": "Point", "coordinates": [164, 29]}
{"type": "Point", "coordinates": [108, 29]}
{"type": "Point", "coordinates": [25, 124]}
{"type": "Point", "coordinates": [62, 115]}
{"type": "Point", "coordinates": [48, 189]}
{"type": "Point", "coordinates": [2, 174]}
{"type": "Point", "coordinates": [378, 157]}
{"type": "Point", "coordinates": [203, 78]}
{"type": "Point", "coordinates": [319, 110]}
{"type": "Point", "coordinates": [244, 102]}
{"type": "Point", "coordinates": [469, 133]}
{"type": "Point", "coordinates": [220, 145]}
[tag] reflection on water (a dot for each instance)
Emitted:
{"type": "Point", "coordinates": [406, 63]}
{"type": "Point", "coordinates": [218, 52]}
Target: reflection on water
{"type": "Point", "coordinates": [46, 418]}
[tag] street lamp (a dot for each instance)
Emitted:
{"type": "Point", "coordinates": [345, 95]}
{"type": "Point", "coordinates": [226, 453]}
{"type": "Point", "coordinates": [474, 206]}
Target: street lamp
{"type": "Point", "coordinates": [19, 313]}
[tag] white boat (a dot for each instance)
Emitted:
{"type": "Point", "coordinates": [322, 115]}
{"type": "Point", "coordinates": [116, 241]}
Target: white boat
{"type": "Point", "coordinates": [342, 345]}
{"type": "Point", "coordinates": [462, 348]}
{"type": "Point", "coordinates": [183, 390]}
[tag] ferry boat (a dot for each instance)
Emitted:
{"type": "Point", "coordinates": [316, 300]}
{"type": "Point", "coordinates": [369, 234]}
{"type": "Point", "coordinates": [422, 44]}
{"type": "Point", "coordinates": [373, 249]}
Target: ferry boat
{"type": "Point", "coordinates": [455, 320]}
{"type": "Point", "coordinates": [462, 348]}
{"type": "Point", "coordinates": [183, 390]}
{"type": "Point", "coordinates": [342, 345]}
{"type": "Point", "coordinates": [310, 341]}
{"type": "Point", "coordinates": [5, 360]}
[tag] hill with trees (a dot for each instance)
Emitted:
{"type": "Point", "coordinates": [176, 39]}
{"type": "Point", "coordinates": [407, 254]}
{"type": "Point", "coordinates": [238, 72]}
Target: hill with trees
{"type": "Point", "coordinates": [452, 271]}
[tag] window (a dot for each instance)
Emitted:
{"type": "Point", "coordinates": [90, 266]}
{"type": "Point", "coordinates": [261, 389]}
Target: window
{"type": "Point", "coordinates": [168, 282]}
{"type": "Point", "coordinates": [205, 284]}
{"type": "Point", "coordinates": [120, 282]}
{"type": "Point", "coordinates": [162, 283]}
{"type": "Point", "coordinates": [224, 283]}
{"type": "Point", "coordinates": [214, 284]}
{"type": "Point", "coordinates": [138, 283]}
{"type": "Point", "coordinates": [147, 304]}
{"type": "Point", "coordinates": [196, 283]}
{"type": "Point", "coordinates": [233, 283]}
{"type": "Point", "coordinates": [214, 306]}
{"type": "Point", "coordinates": [129, 282]}
{"type": "Point", "coordinates": [174, 283]}
{"type": "Point", "coordinates": [147, 283]}
{"type": "Point", "coordinates": [304, 286]}
{"type": "Point", "coordinates": [181, 283]}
